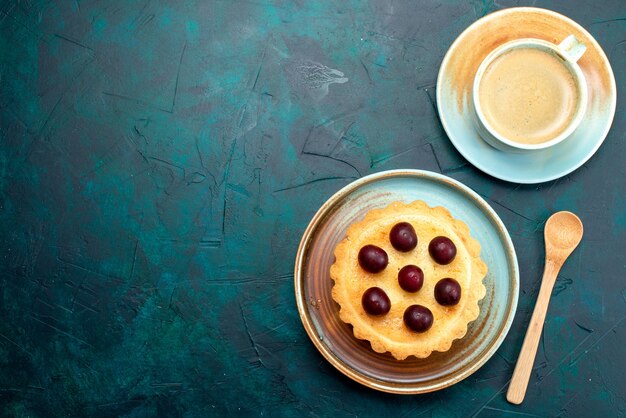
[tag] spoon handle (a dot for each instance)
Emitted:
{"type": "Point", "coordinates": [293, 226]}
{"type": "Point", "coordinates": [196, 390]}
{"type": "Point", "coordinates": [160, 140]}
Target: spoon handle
{"type": "Point", "coordinates": [521, 374]}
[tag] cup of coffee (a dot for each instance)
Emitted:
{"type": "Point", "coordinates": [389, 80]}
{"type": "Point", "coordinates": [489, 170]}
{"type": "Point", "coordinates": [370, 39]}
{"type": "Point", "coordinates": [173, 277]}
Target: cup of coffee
{"type": "Point", "coordinates": [530, 94]}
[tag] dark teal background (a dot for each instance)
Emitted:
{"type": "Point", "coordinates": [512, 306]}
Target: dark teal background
{"type": "Point", "coordinates": [160, 160]}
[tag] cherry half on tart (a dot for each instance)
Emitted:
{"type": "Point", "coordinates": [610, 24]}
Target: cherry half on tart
{"type": "Point", "coordinates": [375, 301]}
{"type": "Point", "coordinates": [373, 259]}
{"type": "Point", "coordinates": [411, 278]}
{"type": "Point", "coordinates": [442, 250]}
{"type": "Point", "coordinates": [418, 318]}
{"type": "Point", "coordinates": [448, 292]}
{"type": "Point", "coordinates": [403, 237]}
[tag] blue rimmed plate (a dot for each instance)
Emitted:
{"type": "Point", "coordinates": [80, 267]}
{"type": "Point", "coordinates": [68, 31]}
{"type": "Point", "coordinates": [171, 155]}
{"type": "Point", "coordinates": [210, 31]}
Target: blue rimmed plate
{"type": "Point", "coordinates": [320, 314]}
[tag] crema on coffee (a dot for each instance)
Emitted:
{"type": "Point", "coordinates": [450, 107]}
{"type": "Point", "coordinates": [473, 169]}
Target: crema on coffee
{"type": "Point", "coordinates": [528, 95]}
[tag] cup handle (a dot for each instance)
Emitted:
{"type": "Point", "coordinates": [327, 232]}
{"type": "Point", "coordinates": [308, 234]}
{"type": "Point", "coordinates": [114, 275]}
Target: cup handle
{"type": "Point", "coordinates": [572, 48]}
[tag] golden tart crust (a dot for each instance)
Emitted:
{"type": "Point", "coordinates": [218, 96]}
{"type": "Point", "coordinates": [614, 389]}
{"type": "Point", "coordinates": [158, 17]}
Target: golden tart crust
{"type": "Point", "coordinates": [388, 332]}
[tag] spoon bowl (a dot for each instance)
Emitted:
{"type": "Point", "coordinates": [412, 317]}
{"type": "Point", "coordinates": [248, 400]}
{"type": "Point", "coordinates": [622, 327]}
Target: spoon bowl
{"type": "Point", "coordinates": [563, 232]}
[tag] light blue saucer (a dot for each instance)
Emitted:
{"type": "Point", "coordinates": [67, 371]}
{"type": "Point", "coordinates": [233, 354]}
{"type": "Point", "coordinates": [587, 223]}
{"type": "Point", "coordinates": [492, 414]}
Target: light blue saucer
{"type": "Point", "coordinates": [454, 101]}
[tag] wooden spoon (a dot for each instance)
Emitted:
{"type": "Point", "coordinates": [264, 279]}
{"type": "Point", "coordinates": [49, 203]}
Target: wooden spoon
{"type": "Point", "coordinates": [562, 234]}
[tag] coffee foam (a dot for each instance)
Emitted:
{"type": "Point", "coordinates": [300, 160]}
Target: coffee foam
{"type": "Point", "coordinates": [528, 95]}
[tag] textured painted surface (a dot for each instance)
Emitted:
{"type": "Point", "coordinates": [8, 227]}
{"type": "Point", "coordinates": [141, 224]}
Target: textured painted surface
{"type": "Point", "coordinates": [159, 162]}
